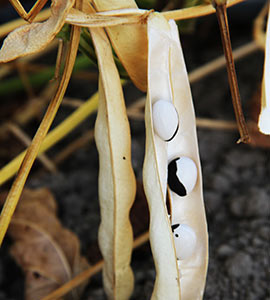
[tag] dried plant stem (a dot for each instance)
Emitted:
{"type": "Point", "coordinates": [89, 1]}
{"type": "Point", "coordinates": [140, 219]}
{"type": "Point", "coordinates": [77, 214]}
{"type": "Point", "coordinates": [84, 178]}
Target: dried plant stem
{"type": "Point", "coordinates": [220, 62]}
{"type": "Point", "coordinates": [181, 14]}
{"type": "Point", "coordinates": [86, 138]}
{"type": "Point", "coordinates": [24, 138]}
{"type": "Point", "coordinates": [8, 27]}
{"type": "Point", "coordinates": [59, 59]}
{"type": "Point", "coordinates": [258, 28]}
{"type": "Point", "coordinates": [54, 136]}
{"type": "Point", "coordinates": [79, 279]}
{"type": "Point", "coordinates": [195, 11]}
{"type": "Point", "coordinates": [32, 13]}
{"type": "Point", "coordinates": [91, 105]}
{"type": "Point", "coordinates": [32, 152]}
{"type": "Point", "coordinates": [216, 124]}
{"type": "Point", "coordinates": [226, 41]}
{"type": "Point", "coordinates": [25, 81]}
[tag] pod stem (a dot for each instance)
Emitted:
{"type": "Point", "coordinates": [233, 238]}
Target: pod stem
{"type": "Point", "coordinates": [221, 12]}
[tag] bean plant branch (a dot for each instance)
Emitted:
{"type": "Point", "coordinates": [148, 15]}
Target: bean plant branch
{"type": "Point", "coordinates": [30, 16]}
{"type": "Point", "coordinates": [90, 106]}
{"type": "Point", "coordinates": [221, 10]}
{"type": "Point", "coordinates": [32, 152]}
{"type": "Point", "coordinates": [179, 14]}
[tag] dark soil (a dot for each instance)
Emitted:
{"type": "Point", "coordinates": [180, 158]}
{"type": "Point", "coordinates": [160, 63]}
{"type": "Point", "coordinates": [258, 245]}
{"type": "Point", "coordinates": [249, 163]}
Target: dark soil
{"type": "Point", "coordinates": [236, 185]}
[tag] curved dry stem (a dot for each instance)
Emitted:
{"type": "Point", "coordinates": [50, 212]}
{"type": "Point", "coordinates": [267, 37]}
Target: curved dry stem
{"type": "Point", "coordinates": [195, 11]}
{"type": "Point", "coordinates": [258, 27]}
{"type": "Point", "coordinates": [8, 27]}
{"type": "Point", "coordinates": [32, 152]}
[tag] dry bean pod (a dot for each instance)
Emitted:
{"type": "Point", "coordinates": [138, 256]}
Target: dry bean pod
{"type": "Point", "coordinates": [117, 183]}
{"type": "Point", "coordinates": [189, 209]}
{"type": "Point", "coordinates": [167, 284]}
{"type": "Point", "coordinates": [129, 42]}
{"type": "Point", "coordinates": [167, 79]}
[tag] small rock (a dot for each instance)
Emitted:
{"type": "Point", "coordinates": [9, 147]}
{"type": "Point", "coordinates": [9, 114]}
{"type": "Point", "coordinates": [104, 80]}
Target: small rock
{"type": "Point", "coordinates": [254, 203]}
{"type": "Point", "coordinates": [256, 242]}
{"type": "Point", "coordinates": [221, 183]}
{"type": "Point", "coordinates": [225, 251]}
{"type": "Point", "coordinates": [240, 265]}
{"type": "Point", "coordinates": [264, 233]}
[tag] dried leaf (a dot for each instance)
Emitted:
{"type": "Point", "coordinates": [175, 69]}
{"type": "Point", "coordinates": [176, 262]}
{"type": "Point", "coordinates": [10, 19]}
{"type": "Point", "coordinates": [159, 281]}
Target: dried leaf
{"type": "Point", "coordinates": [48, 253]}
{"type": "Point", "coordinates": [117, 183]}
{"type": "Point", "coordinates": [168, 80]}
{"type": "Point", "coordinates": [32, 38]}
{"type": "Point", "coordinates": [129, 42]}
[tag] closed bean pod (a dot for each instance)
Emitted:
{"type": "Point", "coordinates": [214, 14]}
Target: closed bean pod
{"type": "Point", "coordinates": [117, 183]}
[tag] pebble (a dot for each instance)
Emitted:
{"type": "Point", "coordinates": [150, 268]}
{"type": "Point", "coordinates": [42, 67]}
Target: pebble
{"type": "Point", "coordinates": [264, 233]}
{"type": "Point", "coordinates": [239, 265]}
{"type": "Point", "coordinates": [225, 251]}
{"type": "Point", "coordinates": [254, 203]}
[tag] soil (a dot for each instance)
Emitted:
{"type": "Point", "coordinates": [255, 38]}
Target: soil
{"type": "Point", "coordinates": [236, 184]}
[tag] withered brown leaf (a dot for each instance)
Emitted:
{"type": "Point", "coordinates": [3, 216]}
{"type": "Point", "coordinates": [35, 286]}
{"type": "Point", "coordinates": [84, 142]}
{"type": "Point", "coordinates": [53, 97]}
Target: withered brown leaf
{"type": "Point", "coordinates": [48, 253]}
{"type": "Point", "coordinates": [31, 38]}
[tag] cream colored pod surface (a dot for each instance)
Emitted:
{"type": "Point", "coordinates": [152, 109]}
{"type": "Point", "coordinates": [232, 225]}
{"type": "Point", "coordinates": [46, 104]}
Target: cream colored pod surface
{"type": "Point", "coordinates": [117, 184]}
{"type": "Point", "coordinates": [182, 278]}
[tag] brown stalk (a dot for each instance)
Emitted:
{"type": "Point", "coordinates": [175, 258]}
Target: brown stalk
{"type": "Point", "coordinates": [221, 11]}
{"type": "Point", "coordinates": [32, 152]}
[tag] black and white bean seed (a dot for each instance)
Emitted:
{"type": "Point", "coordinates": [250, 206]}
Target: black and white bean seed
{"type": "Point", "coordinates": [165, 120]}
{"type": "Point", "coordinates": [182, 175]}
{"type": "Point", "coordinates": [184, 240]}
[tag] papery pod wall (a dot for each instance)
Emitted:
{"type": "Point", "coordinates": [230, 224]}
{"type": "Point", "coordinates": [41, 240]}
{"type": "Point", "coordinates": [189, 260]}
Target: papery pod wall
{"type": "Point", "coordinates": [129, 42]}
{"type": "Point", "coordinates": [116, 178]}
{"type": "Point", "coordinates": [168, 80]}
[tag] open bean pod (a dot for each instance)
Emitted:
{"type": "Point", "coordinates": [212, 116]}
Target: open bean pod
{"type": "Point", "coordinates": [178, 237]}
{"type": "Point", "coordinates": [117, 183]}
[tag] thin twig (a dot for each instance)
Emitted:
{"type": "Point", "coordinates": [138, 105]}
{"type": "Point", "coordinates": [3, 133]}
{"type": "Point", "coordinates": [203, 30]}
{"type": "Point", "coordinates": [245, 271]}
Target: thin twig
{"type": "Point", "coordinates": [8, 27]}
{"type": "Point", "coordinates": [195, 11]}
{"type": "Point", "coordinates": [226, 41]}
{"type": "Point", "coordinates": [72, 102]}
{"type": "Point", "coordinates": [78, 143]}
{"type": "Point", "coordinates": [181, 14]}
{"type": "Point", "coordinates": [25, 80]}
{"type": "Point", "coordinates": [220, 62]}
{"type": "Point", "coordinates": [25, 139]}
{"type": "Point", "coordinates": [59, 59]}
{"type": "Point", "coordinates": [32, 13]}
{"type": "Point", "coordinates": [216, 124]}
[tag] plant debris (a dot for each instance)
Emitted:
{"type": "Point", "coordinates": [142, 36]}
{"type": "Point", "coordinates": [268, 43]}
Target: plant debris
{"type": "Point", "coordinates": [48, 253]}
